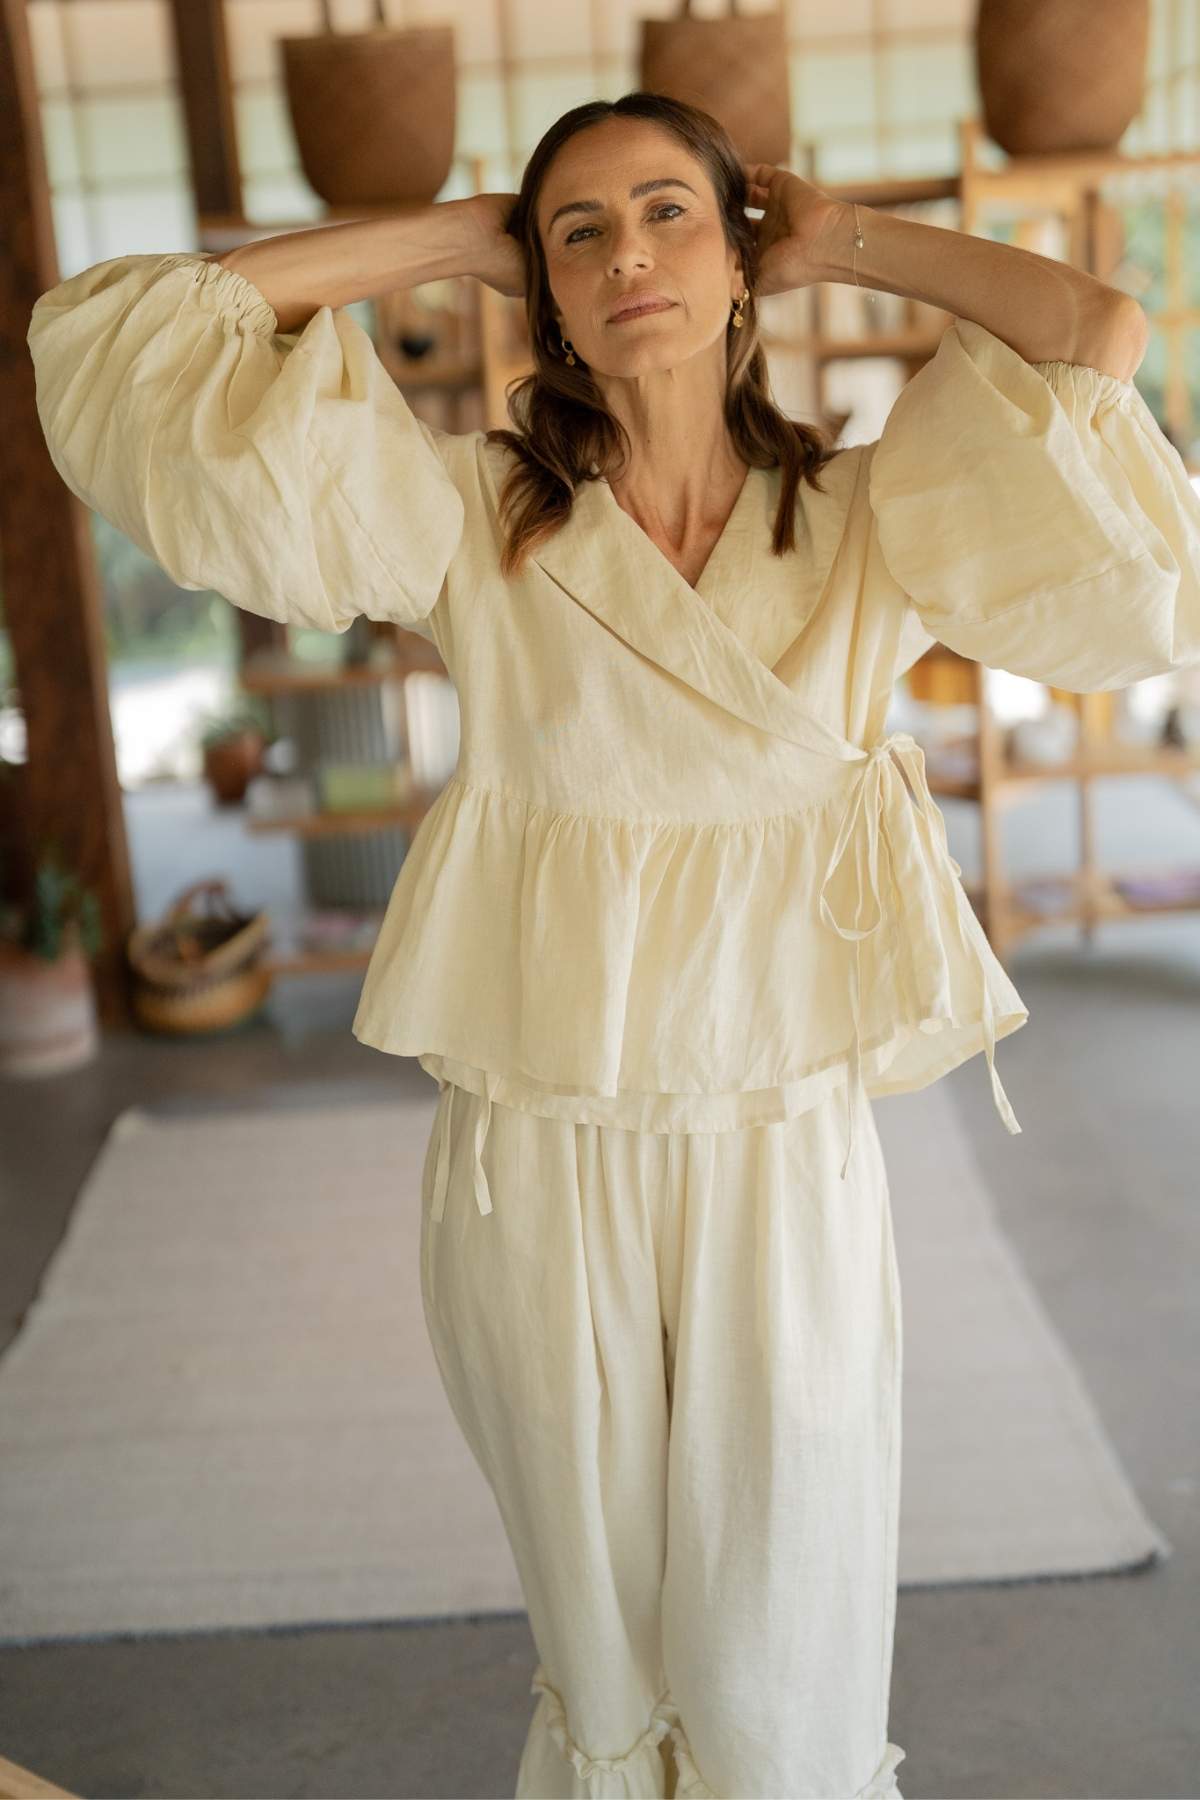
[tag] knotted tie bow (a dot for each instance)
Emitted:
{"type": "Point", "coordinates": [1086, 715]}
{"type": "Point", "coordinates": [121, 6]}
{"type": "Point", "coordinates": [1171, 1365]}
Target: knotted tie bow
{"type": "Point", "coordinates": [865, 820]}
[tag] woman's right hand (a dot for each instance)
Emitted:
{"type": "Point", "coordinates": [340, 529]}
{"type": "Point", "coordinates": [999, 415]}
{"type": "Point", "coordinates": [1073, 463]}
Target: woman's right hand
{"type": "Point", "coordinates": [497, 259]}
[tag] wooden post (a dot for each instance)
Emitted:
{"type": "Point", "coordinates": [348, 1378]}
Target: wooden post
{"type": "Point", "coordinates": [206, 96]}
{"type": "Point", "coordinates": [52, 593]}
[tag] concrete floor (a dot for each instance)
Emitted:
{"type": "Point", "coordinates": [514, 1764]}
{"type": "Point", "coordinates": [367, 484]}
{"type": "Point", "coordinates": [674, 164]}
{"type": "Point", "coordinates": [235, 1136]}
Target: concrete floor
{"type": "Point", "coordinates": [1066, 1687]}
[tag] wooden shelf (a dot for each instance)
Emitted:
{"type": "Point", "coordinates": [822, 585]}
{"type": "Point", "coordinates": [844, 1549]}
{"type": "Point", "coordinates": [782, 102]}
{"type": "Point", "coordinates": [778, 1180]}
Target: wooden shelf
{"type": "Point", "coordinates": [338, 824]}
{"type": "Point", "coordinates": [1018, 175]}
{"type": "Point", "coordinates": [1094, 762]}
{"type": "Point", "coordinates": [1106, 759]}
{"type": "Point", "coordinates": [274, 676]}
{"type": "Point", "coordinates": [317, 962]}
{"type": "Point", "coordinates": [953, 787]}
{"type": "Point", "coordinates": [1087, 896]}
{"type": "Point", "coordinates": [286, 954]}
{"type": "Point", "coordinates": [1027, 179]}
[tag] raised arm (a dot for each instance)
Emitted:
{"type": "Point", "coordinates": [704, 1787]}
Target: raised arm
{"type": "Point", "coordinates": [1036, 518]}
{"type": "Point", "coordinates": [298, 272]}
{"type": "Point", "coordinates": [282, 468]}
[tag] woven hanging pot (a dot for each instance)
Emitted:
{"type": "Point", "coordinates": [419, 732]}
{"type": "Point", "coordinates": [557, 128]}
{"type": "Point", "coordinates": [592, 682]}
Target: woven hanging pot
{"type": "Point", "coordinates": [373, 112]}
{"type": "Point", "coordinates": [1060, 75]}
{"type": "Point", "coordinates": [735, 68]}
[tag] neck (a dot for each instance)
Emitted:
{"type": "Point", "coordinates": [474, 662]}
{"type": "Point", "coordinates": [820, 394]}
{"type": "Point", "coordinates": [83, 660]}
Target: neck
{"type": "Point", "coordinates": [684, 470]}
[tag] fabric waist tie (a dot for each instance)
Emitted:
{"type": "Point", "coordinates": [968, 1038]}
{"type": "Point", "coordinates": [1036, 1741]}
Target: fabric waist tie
{"type": "Point", "coordinates": [868, 805]}
{"type": "Point", "coordinates": [441, 1173]}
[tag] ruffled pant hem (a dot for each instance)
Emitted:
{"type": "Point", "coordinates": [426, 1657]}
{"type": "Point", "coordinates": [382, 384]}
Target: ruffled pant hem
{"type": "Point", "coordinates": [689, 1784]}
{"type": "Point", "coordinates": [638, 1771]}
{"type": "Point", "coordinates": [631, 1775]}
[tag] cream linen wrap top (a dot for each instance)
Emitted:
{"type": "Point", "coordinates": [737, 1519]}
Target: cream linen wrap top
{"type": "Point", "coordinates": [680, 879]}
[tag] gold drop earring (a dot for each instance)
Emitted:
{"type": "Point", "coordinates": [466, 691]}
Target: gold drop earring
{"type": "Point", "coordinates": [737, 308]}
{"type": "Point", "coordinates": [568, 348]}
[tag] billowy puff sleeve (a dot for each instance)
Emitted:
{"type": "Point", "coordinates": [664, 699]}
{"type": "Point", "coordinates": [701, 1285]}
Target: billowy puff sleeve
{"type": "Point", "coordinates": [285, 472]}
{"type": "Point", "coordinates": [1036, 518]}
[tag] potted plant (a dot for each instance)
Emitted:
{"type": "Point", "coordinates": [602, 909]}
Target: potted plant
{"type": "Point", "coordinates": [47, 1001]}
{"type": "Point", "coordinates": [233, 743]}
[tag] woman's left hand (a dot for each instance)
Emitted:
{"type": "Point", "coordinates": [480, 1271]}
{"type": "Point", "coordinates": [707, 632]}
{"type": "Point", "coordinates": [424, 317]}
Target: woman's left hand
{"type": "Point", "coordinates": [796, 220]}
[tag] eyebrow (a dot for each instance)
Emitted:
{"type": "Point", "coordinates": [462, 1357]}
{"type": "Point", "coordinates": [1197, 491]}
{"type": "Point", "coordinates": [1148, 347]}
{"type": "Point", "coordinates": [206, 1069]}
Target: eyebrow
{"type": "Point", "coordinates": [635, 192]}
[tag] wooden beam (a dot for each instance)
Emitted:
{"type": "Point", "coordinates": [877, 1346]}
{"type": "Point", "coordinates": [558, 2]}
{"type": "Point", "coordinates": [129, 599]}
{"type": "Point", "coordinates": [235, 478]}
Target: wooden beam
{"type": "Point", "coordinates": [206, 96]}
{"type": "Point", "coordinates": [52, 594]}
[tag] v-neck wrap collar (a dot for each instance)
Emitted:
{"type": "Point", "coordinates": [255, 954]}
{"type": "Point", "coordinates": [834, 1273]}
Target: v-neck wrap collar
{"type": "Point", "coordinates": [606, 562]}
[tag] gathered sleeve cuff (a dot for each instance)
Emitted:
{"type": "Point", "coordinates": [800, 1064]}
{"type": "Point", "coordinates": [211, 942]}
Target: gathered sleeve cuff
{"type": "Point", "coordinates": [1037, 518]}
{"type": "Point", "coordinates": [285, 472]}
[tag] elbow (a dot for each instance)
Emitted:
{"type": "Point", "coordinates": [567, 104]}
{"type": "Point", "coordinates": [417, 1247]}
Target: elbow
{"type": "Point", "coordinates": [1136, 336]}
{"type": "Point", "coordinates": [1118, 338]}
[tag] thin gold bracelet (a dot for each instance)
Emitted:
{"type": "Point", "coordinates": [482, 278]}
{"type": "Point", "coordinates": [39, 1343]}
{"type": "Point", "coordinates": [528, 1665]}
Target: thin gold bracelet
{"type": "Point", "coordinates": [858, 244]}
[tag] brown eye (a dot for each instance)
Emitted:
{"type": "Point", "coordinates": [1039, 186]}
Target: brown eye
{"type": "Point", "coordinates": [667, 206]}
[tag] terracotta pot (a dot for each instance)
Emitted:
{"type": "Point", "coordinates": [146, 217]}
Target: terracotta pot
{"type": "Point", "coordinates": [735, 68]}
{"type": "Point", "coordinates": [373, 113]}
{"type": "Point", "coordinates": [230, 764]}
{"type": "Point", "coordinates": [47, 1012]}
{"type": "Point", "coordinates": [1060, 75]}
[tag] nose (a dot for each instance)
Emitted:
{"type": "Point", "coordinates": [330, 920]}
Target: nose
{"type": "Point", "coordinates": [628, 251]}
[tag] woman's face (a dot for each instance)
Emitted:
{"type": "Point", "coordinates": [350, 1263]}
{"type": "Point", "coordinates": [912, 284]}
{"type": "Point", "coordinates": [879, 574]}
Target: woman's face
{"type": "Point", "coordinates": [603, 240]}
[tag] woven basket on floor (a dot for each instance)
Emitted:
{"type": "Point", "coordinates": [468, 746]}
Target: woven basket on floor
{"type": "Point", "coordinates": [199, 971]}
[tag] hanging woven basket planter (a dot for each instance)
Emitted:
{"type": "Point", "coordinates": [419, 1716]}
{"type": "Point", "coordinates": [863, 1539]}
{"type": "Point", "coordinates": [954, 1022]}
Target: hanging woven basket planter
{"type": "Point", "coordinates": [373, 111]}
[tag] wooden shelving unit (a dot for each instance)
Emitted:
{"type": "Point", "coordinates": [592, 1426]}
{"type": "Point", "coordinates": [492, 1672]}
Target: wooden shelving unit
{"type": "Point", "coordinates": [274, 674]}
{"type": "Point", "coordinates": [997, 780]}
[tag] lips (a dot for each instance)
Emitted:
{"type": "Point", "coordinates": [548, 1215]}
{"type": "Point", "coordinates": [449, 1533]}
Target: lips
{"type": "Point", "coordinates": [639, 308]}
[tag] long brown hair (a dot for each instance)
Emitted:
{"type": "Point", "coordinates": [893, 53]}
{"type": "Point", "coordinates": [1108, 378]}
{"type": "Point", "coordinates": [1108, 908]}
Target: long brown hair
{"type": "Point", "coordinates": [563, 425]}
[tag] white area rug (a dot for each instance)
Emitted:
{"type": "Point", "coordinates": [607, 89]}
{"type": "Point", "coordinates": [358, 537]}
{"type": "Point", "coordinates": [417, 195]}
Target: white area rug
{"type": "Point", "coordinates": [222, 1410]}
{"type": "Point", "coordinates": [1008, 1471]}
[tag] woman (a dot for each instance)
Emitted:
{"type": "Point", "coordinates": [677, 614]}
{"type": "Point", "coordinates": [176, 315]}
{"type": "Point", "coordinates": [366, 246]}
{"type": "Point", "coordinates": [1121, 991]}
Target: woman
{"type": "Point", "coordinates": [682, 909]}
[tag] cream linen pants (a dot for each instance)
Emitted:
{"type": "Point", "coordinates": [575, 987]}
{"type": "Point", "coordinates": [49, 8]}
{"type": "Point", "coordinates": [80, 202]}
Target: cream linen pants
{"type": "Point", "coordinates": [676, 1358]}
